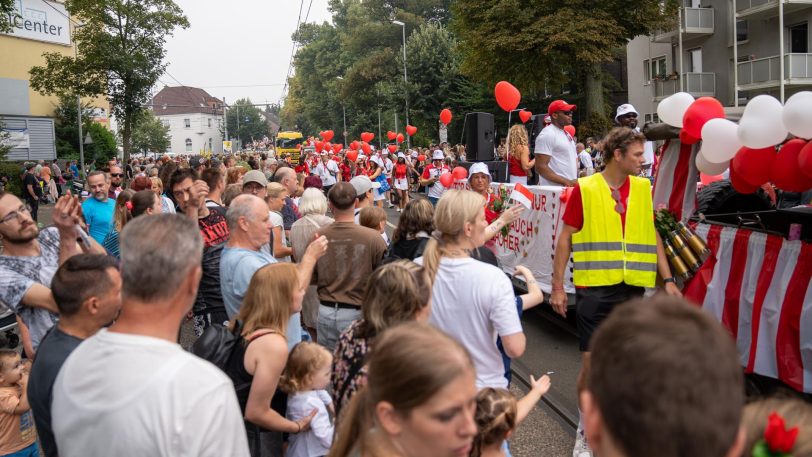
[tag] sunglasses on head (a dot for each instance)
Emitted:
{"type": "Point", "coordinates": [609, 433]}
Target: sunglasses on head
{"type": "Point", "coordinates": [619, 208]}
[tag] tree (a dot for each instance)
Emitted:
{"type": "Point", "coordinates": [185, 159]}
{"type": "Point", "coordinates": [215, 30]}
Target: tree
{"type": "Point", "coordinates": [245, 121]}
{"type": "Point", "coordinates": [149, 134]}
{"type": "Point", "coordinates": [66, 130]}
{"type": "Point", "coordinates": [121, 55]}
{"type": "Point", "coordinates": [6, 13]}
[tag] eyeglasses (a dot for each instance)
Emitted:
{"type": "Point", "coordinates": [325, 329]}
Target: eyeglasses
{"type": "Point", "coordinates": [117, 175]}
{"type": "Point", "coordinates": [566, 113]}
{"type": "Point", "coordinates": [23, 209]}
{"type": "Point", "coordinates": [619, 208]}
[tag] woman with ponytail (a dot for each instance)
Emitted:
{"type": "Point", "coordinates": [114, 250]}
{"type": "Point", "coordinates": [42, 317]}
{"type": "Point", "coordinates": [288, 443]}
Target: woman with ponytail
{"type": "Point", "coordinates": [472, 301]}
{"type": "Point", "coordinates": [129, 205]}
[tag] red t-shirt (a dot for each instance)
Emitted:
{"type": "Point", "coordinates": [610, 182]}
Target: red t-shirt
{"type": "Point", "coordinates": [515, 167]}
{"type": "Point", "coordinates": [574, 214]}
{"type": "Point", "coordinates": [400, 171]}
{"type": "Point", "coordinates": [346, 172]}
{"type": "Point", "coordinates": [304, 168]}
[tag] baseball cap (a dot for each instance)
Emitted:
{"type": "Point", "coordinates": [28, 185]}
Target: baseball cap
{"type": "Point", "coordinates": [362, 184]}
{"type": "Point", "coordinates": [479, 167]}
{"type": "Point", "coordinates": [386, 153]}
{"type": "Point", "coordinates": [197, 161]}
{"type": "Point", "coordinates": [625, 109]}
{"type": "Point", "coordinates": [255, 176]}
{"type": "Point", "coordinates": [437, 155]}
{"type": "Point", "coordinates": [559, 105]}
{"type": "Point", "coordinates": [215, 163]}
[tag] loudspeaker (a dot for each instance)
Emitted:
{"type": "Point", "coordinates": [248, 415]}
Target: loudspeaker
{"type": "Point", "coordinates": [497, 168]}
{"type": "Point", "coordinates": [479, 137]}
{"type": "Point", "coordinates": [537, 126]}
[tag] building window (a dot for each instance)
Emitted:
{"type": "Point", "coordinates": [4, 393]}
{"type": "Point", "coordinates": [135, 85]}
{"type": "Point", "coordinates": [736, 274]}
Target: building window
{"type": "Point", "coordinates": [209, 122]}
{"type": "Point", "coordinates": [209, 140]}
{"type": "Point", "coordinates": [165, 122]}
{"type": "Point", "coordinates": [188, 145]}
{"type": "Point", "coordinates": [656, 68]}
{"type": "Point", "coordinates": [741, 31]}
{"type": "Point", "coordinates": [187, 123]}
{"type": "Point", "coordinates": [647, 118]}
{"type": "Point", "coordinates": [646, 71]}
{"type": "Point", "coordinates": [799, 38]}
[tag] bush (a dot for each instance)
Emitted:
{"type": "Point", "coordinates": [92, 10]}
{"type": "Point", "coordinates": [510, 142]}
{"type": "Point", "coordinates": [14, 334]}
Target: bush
{"type": "Point", "coordinates": [12, 171]}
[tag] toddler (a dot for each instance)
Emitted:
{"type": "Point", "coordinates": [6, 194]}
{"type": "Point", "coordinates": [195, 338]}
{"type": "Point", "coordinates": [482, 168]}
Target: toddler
{"type": "Point", "coordinates": [306, 375]}
{"type": "Point", "coordinates": [375, 218]}
{"type": "Point", "coordinates": [18, 436]}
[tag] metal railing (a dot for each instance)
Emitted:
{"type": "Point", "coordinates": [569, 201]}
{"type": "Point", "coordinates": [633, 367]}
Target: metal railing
{"type": "Point", "coordinates": [768, 69]}
{"type": "Point", "coordinates": [695, 83]}
{"type": "Point", "coordinates": [698, 18]}
{"type": "Point", "coordinates": [742, 5]}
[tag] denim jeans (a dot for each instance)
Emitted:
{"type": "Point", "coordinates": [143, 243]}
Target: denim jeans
{"type": "Point", "coordinates": [434, 201]}
{"type": "Point", "coordinates": [332, 321]}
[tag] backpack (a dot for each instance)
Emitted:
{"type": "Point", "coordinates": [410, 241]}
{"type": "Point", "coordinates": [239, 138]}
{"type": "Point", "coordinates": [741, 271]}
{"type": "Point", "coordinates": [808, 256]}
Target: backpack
{"type": "Point", "coordinates": [217, 344]}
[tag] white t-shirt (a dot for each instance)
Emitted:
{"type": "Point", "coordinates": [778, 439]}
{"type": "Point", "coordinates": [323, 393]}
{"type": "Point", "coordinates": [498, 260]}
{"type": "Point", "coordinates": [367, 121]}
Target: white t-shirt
{"type": "Point", "coordinates": [559, 145]}
{"type": "Point", "coordinates": [317, 440]}
{"type": "Point", "coordinates": [277, 221]}
{"type": "Point", "coordinates": [387, 167]}
{"type": "Point", "coordinates": [473, 302]}
{"type": "Point", "coordinates": [586, 159]}
{"type": "Point", "coordinates": [121, 394]}
{"type": "Point", "coordinates": [327, 172]}
{"type": "Point", "coordinates": [648, 155]}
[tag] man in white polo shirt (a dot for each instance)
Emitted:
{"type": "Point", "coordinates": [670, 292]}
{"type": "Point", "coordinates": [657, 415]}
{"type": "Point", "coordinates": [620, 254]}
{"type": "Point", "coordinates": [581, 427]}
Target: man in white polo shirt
{"type": "Point", "coordinates": [556, 158]}
{"type": "Point", "coordinates": [626, 116]}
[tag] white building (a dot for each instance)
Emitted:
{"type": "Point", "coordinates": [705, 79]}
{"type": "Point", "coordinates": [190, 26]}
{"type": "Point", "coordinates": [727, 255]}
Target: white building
{"type": "Point", "coordinates": [194, 118]}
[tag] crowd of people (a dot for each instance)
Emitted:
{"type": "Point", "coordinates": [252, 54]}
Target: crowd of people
{"type": "Point", "coordinates": [342, 341]}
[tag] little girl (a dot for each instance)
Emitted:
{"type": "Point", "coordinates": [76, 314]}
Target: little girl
{"type": "Point", "coordinates": [306, 375]}
{"type": "Point", "coordinates": [498, 413]}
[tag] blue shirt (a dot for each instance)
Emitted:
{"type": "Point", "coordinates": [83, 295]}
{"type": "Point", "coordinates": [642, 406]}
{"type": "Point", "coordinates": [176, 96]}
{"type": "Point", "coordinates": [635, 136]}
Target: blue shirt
{"type": "Point", "coordinates": [237, 266]}
{"type": "Point", "coordinates": [75, 171]}
{"type": "Point", "coordinates": [99, 217]}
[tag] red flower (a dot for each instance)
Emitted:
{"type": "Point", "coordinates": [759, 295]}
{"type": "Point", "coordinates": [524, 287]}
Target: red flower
{"type": "Point", "coordinates": [778, 438]}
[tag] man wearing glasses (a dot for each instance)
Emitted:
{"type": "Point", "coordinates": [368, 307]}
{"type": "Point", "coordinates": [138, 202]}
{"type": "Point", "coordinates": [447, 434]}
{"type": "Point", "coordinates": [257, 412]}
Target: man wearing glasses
{"type": "Point", "coordinates": [627, 116]}
{"type": "Point", "coordinates": [609, 228]}
{"type": "Point", "coordinates": [116, 177]}
{"type": "Point", "coordinates": [99, 209]}
{"type": "Point", "coordinates": [556, 158]}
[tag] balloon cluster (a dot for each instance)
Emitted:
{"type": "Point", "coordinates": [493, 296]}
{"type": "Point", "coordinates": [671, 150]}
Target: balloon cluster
{"type": "Point", "coordinates": [755, 150]}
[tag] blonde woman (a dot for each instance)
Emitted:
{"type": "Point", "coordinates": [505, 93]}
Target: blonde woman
{"type": "Point", "coordinates": [519, 162]}
{"type": "Point", "coordinates": [167, 205]}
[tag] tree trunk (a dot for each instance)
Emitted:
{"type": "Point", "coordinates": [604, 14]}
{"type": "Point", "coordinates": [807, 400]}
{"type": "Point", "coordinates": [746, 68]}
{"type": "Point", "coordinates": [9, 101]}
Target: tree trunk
{"type": "Point", "coordinates": [594, 90]}
{"type": "Point", "coordinates": [125, 138]}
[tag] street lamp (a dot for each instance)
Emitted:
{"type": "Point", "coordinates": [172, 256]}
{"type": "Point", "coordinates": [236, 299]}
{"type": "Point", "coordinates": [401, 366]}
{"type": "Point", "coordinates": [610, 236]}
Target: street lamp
{"type": "Point", "coordinates": [344, 115]}
{"type": "Point", "coordinates": [405, 80]}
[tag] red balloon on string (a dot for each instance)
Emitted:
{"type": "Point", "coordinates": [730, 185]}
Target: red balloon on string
{"type": "Point", "coordinates": [459, 173]}
{"type": "Point", "coordinates": [352, 156]}
{"type": "Point", "coordinates": [400, 138]}
{"type": "Point", "coordinates": [786, 174]}
{"type": "Point", "coordinates": [687, 138]}
{"type": "Point", "coordinates": [507, 96]}
{"type": "Point", "coordinates": [421, 157]}
{"type": "Point", "coordinates": [446, 179]}
{"type": "Point", "coordinates": [328, 135]}
{"type": "Point", "coordinates": [570, 129]}
{"type": "Point", "coordinates": [698, 113]}
{"type": "Point", "coordinates": [319, 146]}
{"type": "Point", "coordinates": [740, 185]}
{"type": "Point", "coordinates": [337, 147]}
{"type": "Point", "coordinates": [392, 148]}
{"type": "Point", "coordinates": [525, 116]}
{"type": "Point", "coordinates": [321, 134]}
{"type": "Point", "coordinates": [354, 145]}
{"type": "Point", "coordinates": [754, 165]}
{"type": "Point", "coordinates": [391, 135]}
{"type": "Point", "coordinates": [367, 136]}
{"type": "Point", "coordinates": [445, 116]}
{"type": "Point", "coordinates": [365, 147]}
{"type": "Point", "coordinates": [411, 130]}
{"type": "Point", "coordinates": [805, 159]}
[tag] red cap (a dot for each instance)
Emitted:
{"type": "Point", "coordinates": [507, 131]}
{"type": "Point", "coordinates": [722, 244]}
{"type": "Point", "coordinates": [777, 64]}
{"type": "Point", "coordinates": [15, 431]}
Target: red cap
{"type": "Point", "coordinates": [559, 105]}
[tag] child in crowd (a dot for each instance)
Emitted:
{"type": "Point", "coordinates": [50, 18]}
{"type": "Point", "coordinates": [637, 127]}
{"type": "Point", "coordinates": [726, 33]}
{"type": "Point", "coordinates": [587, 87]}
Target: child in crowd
{"type": "Point", "coordinates": [18, 436]}
{"type": "Point", "coordinates": [498, 413]}
{"type": "Point", "coordinates": [375, 218]}
{"type": "Point", "coordinates": [778, 426]}
{"type": "Point", "coordinates": [307, 374]}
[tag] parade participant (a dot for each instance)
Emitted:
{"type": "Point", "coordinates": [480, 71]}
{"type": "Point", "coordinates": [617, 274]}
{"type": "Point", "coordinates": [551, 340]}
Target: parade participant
{"type": "Point", "coordinates": [694, 407]}
{"type": "Point", "coordinates": [413, 231]}
{"type": "Point", "coordinates": [32, 192]}
{"type": "Point", "coordinates": [255, 183]}
{"type": "Point", "coordinates": [98, 211]}
{"type": "Point", "coordinates": [556, 159]}
{"type": "Point", "coordinates": [87, 291]}
{"type": "Point", "coordinates": [431, 177]}
{"type": "Point", "coordinates": [401, 176]}
{"type": "Point", "coordinates": [479, 178]}
{"type": "Point", "coordinates": [609, 226]}
{"type": "Point", "coordinates": [290, 213]}
{"type": "Point", "coordinates": [213, 177]}
{"type": "Point", "coordinates": [272, 297]}
{"type": "Point", "coordinates": [328, 171]}
{"type": "Point", "coordinates": [627, 116]}
{"type": "Point", "coordinates": [587, 167]}
{"type": "Point", "coordinates": [190, 194]}
{"type": "Point", "coordinates": [395, 293]}
{"type": "Point", "coordinates": [419, 400]}
{"type": "Point", "coordinates": [364, 188]}
{"type": "Point", "coordinates": [313, 206]}
{"type": "Point", "coordinates": [121, 216]}
{"type": "Point", "coordinates": [19, 436]}
{"type": "Point", "coordinates": [275, 197]}
{"type": "Point", "coordinates": [519, 162]}
{"type": "Point", "coordinates": [347, 169]}
{"type": "Point", "coordinates": [375, 218]}
{"type": "Point", "coordinates": [341, 288]}
{"type": "Point", "coordinates": [116, 178]}
{"type": "Point", "coordinates": [472, 301]}
{"type": "Point", "coordinates": [137, 366]}
{"type": "Point", "coordinates": [387, 166]}
{"type": "Point", "coordinates": [375, 174]}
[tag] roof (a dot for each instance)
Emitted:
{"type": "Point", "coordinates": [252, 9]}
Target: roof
{"type": "Point", "coordinates": [185, 100]}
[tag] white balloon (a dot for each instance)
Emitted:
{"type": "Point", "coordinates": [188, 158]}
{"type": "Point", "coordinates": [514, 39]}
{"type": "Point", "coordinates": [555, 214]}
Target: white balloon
{"type": "Point", "coordinates": [710, 168]}
{"type": "Point", "coordinates": [798, 115]}
{"type": "Point", "coordinates": [672, 109]}
{"type": "Point", "coordinates": [762, 124]}
{"type": "Point", "coordinates": [720, 141]}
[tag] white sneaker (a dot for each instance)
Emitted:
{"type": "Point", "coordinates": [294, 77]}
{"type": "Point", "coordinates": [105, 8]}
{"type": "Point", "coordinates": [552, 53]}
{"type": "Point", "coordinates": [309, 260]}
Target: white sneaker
{"type": "Point", "coordinates": [581, 448]}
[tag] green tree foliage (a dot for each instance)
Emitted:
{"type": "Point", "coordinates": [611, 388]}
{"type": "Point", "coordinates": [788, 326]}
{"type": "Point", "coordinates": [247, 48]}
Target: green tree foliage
{"type": "Point", "coordinates": [245, 121]}
{"type": "Point", "coordinates": [149, 134]}
{"type": "Point", "coordinates": [66, 129]}
{"type": "Point", "coordinates": [6, 10]}
{"type": "Point", "coordinates": [121, 55]}
{"type": "Point", "coordinates": [103, 147]}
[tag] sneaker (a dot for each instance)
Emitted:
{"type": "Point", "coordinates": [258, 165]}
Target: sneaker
{"type": "Point", "coordinates": [581, 448]}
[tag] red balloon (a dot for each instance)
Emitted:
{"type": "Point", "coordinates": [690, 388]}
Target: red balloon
{"type": "Point", "coordinates": [367, 136]}
{"type": "Point", "coordinates": [754, 165]}
{"type": "Point", "coordinates": [328, 135]}
{"type": "Point", "coordinates": [446, 179]}
{"type": "Point", "coordinates": [699, 112]}
{"type": "Point", "coordinates": [525, 116]}
{"type": "Point", "coordinates": [421, 157]}
{"type": "Point", "coordinates": [354, 145]}
{"type": "Point", "coordinates": [319, 146]}
{"type": "Point", "coordinates": [507, 96]}
{"type": "Point", "coordinates": [352, 155]}
{"type": "Point", "coordinates": [687, 138]}
{"type": "Point", "coordinates": [365, 147]}
{"type": "Point", "coordinates": [459, 173]}
{"type": "Point", "coordinates": [400, 138]}
{"type": "Point", "coordinates": [337, 147]}
{"type": "Point", "coordinates": [707, 179]}
{"type": "Point", "coordinates": [391, 135]}
{"type": "Point", "coordinates": [741, 186]}
{"type": "Point", "coordinates": [392, 148]}
{"type": "Point", "coordinates": [445, 116]}
{"type": "Point", "coordinates": [321, 134]}
{"type": "Point", "coordinates": [805, 159]}
{"type": "Point", "coordinates": [786, 174]}
{"type": "Point", "coordinates": [411, 130]}
{"type": "Point", "coordinates": [570, 129]}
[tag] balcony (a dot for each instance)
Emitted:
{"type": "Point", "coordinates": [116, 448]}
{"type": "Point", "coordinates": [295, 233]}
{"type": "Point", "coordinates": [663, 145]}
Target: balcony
{"type": "Point", "coordinates": [696, 84]}
{"type": "Point", "coordinates": [696, 22]}
{"type": "Point", "coordinates": [764, 9]}
{"type": "Point", "coordinates": [765, 73]}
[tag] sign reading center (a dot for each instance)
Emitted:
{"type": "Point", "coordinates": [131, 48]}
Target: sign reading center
{"type": "Point", "coordinates": [40, 20]}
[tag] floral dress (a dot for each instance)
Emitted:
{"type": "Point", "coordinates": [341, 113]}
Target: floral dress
{"type": "Point", "coordinates": [349, 365]}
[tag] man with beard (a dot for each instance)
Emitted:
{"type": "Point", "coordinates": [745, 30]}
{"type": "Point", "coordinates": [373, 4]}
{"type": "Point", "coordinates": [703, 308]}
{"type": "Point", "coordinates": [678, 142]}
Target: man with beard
{"type": "Point", "coordinates": [30, 259]}
{"type": "Point", "coordinates": [116, 178]}
{"type": "Point", "coordinates": [556, 158]}
{"type": "Point", "coordinates": [626, 116]}
{"type": "Point", "coordinates": [98, 211]}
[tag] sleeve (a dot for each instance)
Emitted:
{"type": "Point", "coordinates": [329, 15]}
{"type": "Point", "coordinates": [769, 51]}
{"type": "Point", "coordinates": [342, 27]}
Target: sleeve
{"type": "Point", "coordinates": [321, 426]}
{"type": "Point", "coordinates": [503, 313]}
{"type": "Point", "coordinates": [544, 143]}
{"type": "Point", "coordinates": [276, 220]}
{"type": "Point", "coordinates": [574, 212]}
{"type": "Point", "coordinates": [324, 397]}
{"type": "Point", "coordinates": [13, 287]}
{"type": "Point", "coordinates": [425, 174]}
{"type": "Point", "coordinates": [219, 431]}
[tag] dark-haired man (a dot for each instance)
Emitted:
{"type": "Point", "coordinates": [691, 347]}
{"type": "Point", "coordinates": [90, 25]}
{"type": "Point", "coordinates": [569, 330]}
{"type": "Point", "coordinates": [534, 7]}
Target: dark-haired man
{"type": "Point", "coordinates": [556, 158]}
{"type": "Point", "coordinates": [87, 291]}
{"type": "Point", "coordinates": [627, 116]}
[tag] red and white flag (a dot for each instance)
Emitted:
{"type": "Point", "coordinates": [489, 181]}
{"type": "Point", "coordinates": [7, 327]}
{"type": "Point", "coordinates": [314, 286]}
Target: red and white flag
{"type": "Point", "coordinates": [522, 195]}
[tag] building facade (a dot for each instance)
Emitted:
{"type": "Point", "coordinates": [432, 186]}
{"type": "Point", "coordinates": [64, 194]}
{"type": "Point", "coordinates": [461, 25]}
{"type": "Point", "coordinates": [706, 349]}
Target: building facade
{"type": "Point", "coordinates": [194, 118]}
{"type": "Point", "coordinates": [732, 50]}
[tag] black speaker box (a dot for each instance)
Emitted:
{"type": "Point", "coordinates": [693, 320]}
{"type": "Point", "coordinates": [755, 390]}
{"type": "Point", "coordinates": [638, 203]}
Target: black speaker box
{"type": "Point", "coordinates": [479, 137]}
{"type": "Point", "coordinates": [537, 125]}
{"type": "Point", "coordinates": [497, 168]}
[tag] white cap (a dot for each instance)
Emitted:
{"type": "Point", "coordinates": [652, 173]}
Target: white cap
{"type": "Point", "coordinates": [362, 184]}
{"type": "Point", "coordinates": [479, 167]}
{"type": "Point", "coordinates": [401, 155]}
{"type": "Point", "coordinates": [624, 109]}
{"type": "Point", "coordinates": [415, 154]}
{"type": "Point", "coordinates": [438, 155]}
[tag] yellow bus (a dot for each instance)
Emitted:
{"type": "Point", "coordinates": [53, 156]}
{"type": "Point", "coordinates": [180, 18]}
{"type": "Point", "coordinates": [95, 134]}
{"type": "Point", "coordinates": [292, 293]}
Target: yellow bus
{"type": "Point", "coordinates": [289, 143]}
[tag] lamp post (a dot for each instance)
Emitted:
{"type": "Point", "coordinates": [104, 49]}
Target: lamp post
{"type": "Point", "coordinates": [344, 115]}
{"type": "Point", "coordinates": [406, 81]}
{"type": "Point", "coordinates": [79, 107]}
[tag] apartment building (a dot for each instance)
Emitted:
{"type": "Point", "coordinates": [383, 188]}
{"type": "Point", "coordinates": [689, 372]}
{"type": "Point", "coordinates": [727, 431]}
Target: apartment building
{"type": "Point", "coordinates": [194, 119]}
{"type": "Point", "coordinates": [729, 49]}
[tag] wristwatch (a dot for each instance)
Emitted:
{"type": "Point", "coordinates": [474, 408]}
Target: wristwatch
{"type": "Point", "coordinates": [671, 280]}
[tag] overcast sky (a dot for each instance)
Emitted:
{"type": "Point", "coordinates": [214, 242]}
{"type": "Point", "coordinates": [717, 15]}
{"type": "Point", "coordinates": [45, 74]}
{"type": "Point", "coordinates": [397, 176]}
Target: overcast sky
{"type": "Point", "coordinates": [237, 43]}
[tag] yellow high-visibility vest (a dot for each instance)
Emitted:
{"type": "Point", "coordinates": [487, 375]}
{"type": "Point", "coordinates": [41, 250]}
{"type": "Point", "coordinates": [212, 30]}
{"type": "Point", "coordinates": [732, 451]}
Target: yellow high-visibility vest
{"type": "Point", "coordinates": [602, 255]}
